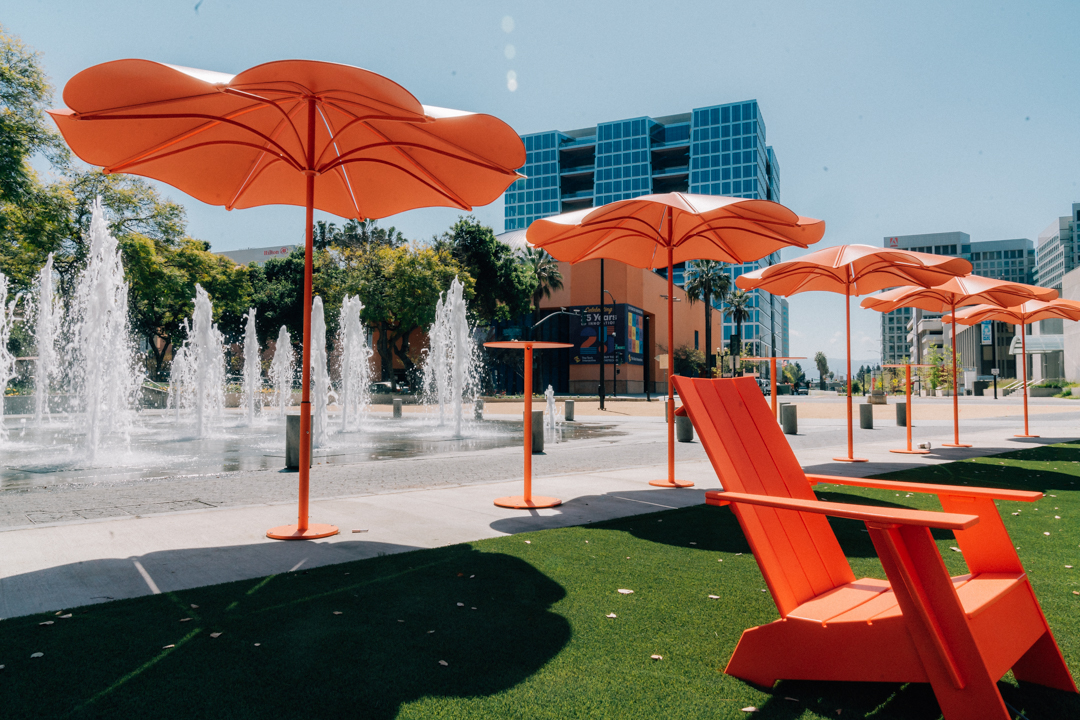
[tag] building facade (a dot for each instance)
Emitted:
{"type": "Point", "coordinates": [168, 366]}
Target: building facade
{"type": "Point", "coordinates": [1057, 250]}
{"type": "Point", "coordinates": [910, 334]}
{"type": "Point", "coordinates": [716, 150]}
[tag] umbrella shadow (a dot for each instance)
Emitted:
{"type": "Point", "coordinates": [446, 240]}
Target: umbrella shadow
{"type": "Point", "coordinates": [359, 639]}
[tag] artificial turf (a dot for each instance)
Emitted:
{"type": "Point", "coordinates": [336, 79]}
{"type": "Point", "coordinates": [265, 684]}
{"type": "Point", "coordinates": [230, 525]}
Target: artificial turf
{"type": "Point", "coordinates": [521, 625]}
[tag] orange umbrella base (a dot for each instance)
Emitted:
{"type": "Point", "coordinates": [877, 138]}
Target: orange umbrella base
{"type": "Point", "coordinates": [518, 502]}
{"type": "Point", "coordinates": [955, 445]}
{"type": "Point", "coordinates": [1025, 436]}
{"type": "Point", "coordinates": [293, 532]}
{"type": "Point", "coordinates": [911, 452]}
{"type": "Point", "coordinates": [671, 483]}
{"type": "Point", "coordinates": [847, 459]}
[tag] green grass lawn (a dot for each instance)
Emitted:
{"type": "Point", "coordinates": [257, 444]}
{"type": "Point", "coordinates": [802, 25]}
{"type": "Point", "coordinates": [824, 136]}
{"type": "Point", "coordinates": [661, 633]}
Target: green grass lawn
{"type": "Point", "coordinates": [520, 623]}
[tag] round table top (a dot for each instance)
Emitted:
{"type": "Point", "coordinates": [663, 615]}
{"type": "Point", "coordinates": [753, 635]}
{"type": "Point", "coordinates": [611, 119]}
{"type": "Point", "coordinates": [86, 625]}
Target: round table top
{"type": "Point", "coordinates": [773, 358]}
{"type": "Point", "coordinates": [522, 344]}
{"type": "Point", "coordinates": [908, 365]}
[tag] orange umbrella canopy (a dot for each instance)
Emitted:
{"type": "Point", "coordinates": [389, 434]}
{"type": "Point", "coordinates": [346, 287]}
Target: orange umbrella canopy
{"type": "Point", "coordinates": [1029, 312]}
{"type": "Point", "coordinates": [956, 292]}
{"type": "Point", "coordinates": [693, 227]}
{"type": "Point", "coordinates": [250, 139]}
{"type": "Point", "coordinates": [858, 269]}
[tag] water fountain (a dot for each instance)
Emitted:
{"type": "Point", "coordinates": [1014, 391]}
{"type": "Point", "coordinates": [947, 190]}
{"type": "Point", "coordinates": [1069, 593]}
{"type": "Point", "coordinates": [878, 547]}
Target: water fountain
{"type": "Point", "coordinates": [252, 388]}
{"type": "Point", "coordinates": [320, 376]}
{"type": "Point", "coordinates": [198, 368]}
{"type": "Point", "coordinates": [355, 363]}
{"type": "Point", "coordinates": [283, 370]}
{"type": "Point", "coordinates": [7, 360]}
{"type": "Point", "coordinates": [46, 312]}
{"type": "Point", "coordinates": [551, 422]}
{"type": "Point", "coordinates": [450, 368]}
{"type": "Point", "coordinates": [105, 376]}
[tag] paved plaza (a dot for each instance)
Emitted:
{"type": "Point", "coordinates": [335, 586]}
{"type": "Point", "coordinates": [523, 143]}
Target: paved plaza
{"type": "Point", "coordinates": [66, 546]}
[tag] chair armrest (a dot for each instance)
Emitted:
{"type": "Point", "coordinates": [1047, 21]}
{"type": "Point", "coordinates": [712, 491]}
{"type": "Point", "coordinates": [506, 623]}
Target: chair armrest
{"type": "Point", "coordinates": [868, 514]}
{"type": "Point", "coordinates": [961, 490]}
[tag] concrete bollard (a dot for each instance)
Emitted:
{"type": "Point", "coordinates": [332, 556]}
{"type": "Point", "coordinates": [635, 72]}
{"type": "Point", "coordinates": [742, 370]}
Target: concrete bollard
{"type": "Point", "coordinates": [478, 409]}
{"type": "Point", "coordinates": [292, 443]}
{"type": "Point", "coordinates": [568, 410]}
{"type": "Point", "coordinates": [866, 416]}
{"type": "Point", "coordinates": [789, 418]}
{"type": "Point", "coordinates": [684, 429]}
{"type": "Point", "coordinates": [901, 414]}
{"type": "Point", "coordinates": [538, 432]}
{"type": "Point", "coordinates": [397, 408]}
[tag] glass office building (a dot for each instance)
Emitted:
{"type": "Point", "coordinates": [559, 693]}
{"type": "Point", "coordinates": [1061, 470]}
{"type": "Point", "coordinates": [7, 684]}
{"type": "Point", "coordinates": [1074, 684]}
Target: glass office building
{"type": "Point", "coordinates": [716, 150]}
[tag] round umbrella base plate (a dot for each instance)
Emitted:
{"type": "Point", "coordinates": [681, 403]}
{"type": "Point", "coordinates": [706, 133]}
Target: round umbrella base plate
{"type": "Point", "coordinates": [955, 445]}
{"type": "Point", "coordinates": [849, 459]}
{"type": "Point", "coordinates": [911, 452]}
{"type": "Point", "coordinates": [671, 483]}
{"type": "Point", "coordinates": [293, 532]}
{"type": "Point", "coordinates": [1025, 436]}
{"type": "Point", "coordinates": [518, 502]}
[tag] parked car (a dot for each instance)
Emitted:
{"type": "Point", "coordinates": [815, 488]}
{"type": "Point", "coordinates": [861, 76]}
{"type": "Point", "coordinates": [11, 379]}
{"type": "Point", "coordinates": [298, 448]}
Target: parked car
{"type": "Point", "coordinates": [802, 390]}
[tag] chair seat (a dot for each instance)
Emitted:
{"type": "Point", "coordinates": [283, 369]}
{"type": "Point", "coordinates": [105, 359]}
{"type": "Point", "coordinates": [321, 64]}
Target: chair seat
{"type": "Point", "coordinates": [870, 599]}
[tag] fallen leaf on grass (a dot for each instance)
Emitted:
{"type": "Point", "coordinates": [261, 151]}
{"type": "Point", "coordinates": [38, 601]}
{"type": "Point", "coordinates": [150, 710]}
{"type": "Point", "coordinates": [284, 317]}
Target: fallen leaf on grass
{"type": "Point", "coordinates": [401, 621]}
{"type": "Point", "coordinates": [749, 709]}
{"type": "Point", "coordinates": [166, 647]}
{"type": "Point", "coordinates": [461, 604]}
{"type": "Point", "coordinates": [714, 597]}
{"type": "Point", "coordinates": [215, 635]}
{"type": "Point", "coordinates": [528, 542]}
{"type": "Point", "coordinates": [359, 531]}
{"type": "Point", "coordinates": [443, 663]}
{"type": "Point", "coordinates": [624, 591]}
{"type": "Point", "coordinates": [185, 619]}
{"type": "Point", "coordinates": [194, 607]}
{"type": "Point", "coordinates": [258, 644]}
{"type": "Point", "coordinates": [473, 608]}
{"type": "Point", "coordinates": [37, 655]}
{"type": "Point", "coordinates": [1046, 533]}
{"type": "Point", "coordinates": [430, 631]}
{"type": "Point", "coordinates": [1, 667]}
{"type": "Point", "coordinates": [1068, 567]}
{"type": "Point", "coordinates": [610, 615]}
{"type": "Point", "coordinates": [955, 549]}
{"type": "Point", "coordinates": [657, 657]}
{"type": "Point", "coordinates": [792, 699]}
{"type": "Point", "coordinates": [47, 622]}
{"type": "Point", "coordinates": [693, 543]}
{"type": "Point", "coordinates": [337, 612]}
{"type": "Point", "coordinates": [471, 577]}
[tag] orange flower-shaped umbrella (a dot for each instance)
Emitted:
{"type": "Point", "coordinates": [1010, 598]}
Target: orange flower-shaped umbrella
{"type": "Point", "coordinates": [295, 132]}
{"type": "Point", "coordinates": [1022, 315]}
{"type": "Point", "coordinates": [853, 270]}
{"type": "Point", "coordinates": [954, 293]}
{"type": "Point", "coordinates": [655, 231]}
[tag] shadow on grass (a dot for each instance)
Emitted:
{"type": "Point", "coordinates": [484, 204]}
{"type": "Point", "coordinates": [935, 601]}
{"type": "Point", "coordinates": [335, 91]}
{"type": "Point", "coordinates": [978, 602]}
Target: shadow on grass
{"type": "Point", "coordinates": [355, 639]}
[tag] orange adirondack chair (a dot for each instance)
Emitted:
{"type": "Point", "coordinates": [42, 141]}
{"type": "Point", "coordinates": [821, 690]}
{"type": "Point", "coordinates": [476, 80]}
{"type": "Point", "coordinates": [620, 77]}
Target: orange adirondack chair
{"type": "Point", "coordinates": [959, 634]}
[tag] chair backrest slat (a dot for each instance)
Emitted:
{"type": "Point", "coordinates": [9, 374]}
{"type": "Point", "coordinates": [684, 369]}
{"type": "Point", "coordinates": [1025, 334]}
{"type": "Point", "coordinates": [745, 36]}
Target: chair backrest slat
{"type": "Point", "coordinates": [798, 552]}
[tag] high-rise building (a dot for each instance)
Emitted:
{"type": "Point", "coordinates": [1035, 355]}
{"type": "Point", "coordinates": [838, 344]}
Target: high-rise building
{"type": "Point", "coordinates": [1012, 260]}
{"type": "Point", "coordinates": [716, 150]}
{"type": "Point", "coordinates": [1058, 251]}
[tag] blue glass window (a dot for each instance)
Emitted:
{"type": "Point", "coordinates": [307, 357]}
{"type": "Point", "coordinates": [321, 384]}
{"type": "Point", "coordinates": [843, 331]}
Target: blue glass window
{"type": "Point", "coordinates": [725, 114]}
{"type": "Point", "coordinates": [725, 145]}
{"type": "Point", "coordinates": [727, 173]}
{"type": "Point", "coordinates": [725, 131]}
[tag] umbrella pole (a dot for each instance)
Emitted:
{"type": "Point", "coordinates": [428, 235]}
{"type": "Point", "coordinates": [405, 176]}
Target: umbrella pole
{"type": "Point", "coordinates": [302, 530]}
{"type": "Point", "coordinates": [955, 394]}
{"type": "Point", "coordinates": [850, 439]}
{"type": "Point", "coordinates": [1023, 358]}
{"type": "Point", "coordinates": [670, 481]}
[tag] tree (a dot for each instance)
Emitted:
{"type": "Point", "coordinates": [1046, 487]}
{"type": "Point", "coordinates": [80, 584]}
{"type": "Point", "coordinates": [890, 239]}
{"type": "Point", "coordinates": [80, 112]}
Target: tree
{"type": "Point", "coordinates": [794, 374]}
{"type": "Point", "coordinates": [688, 361]}
{"type": "Point", "coordinates": [505, 286]}
{"type": "Point", "coordinates": [707, 281]}
{"type": "Point", "coordinates": [355, 235]}
{"type": "Point", "coordinates": [822, 363]}
{"type": "Point", "coordinates": [545, 270]}
{"type": "Point", "coordinates": [739, 307]}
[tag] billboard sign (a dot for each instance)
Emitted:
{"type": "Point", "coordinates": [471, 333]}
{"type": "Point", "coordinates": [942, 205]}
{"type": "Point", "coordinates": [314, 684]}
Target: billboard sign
{"type": "Point", "coordinates": [986, 333]}
{"type": "Point", "coordinates": [616, 330]}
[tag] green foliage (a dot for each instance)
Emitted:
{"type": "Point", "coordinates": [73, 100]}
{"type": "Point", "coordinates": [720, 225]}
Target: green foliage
{"type": "Point", "coordinates": [940, 374]}
{"type": "Point", "coordinates": [545, 271]}
{"type": "Point", "coordinates": [707, 281]}
{"type": "Point", "coordinates": [505, 286]}
{"type": "Point", "coordinates": [688, 361]}
{"type": "Point", "coordinates": [822, 364]}
{"type": "Point", "coordinates": [355, 235]}
{"type": "Point", "coordinates": [794, 374]}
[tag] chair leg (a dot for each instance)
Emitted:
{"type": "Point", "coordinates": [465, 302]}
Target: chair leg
{"type": "Point", "coordinates": [937, 624]}
{"type": "Point", "coordinates": [1043, 664]}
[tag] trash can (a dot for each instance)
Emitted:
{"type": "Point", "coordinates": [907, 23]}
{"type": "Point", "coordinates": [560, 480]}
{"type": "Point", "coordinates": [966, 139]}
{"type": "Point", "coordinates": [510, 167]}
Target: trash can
{"type": "Point", "coordinates": [684, 429]}
{"type": "Point", "coordinates": [789, 418]}
{"type": "Point", "coordinates": [568, 410]}
{"type": "Point", "coordinates": [538, 432]}
{"type": "Point", "coordinates": [292, 443]}
{"type": "Point", "coordinates": [901, 414]}
{"type": "Point", "coordinates": [866, 416]}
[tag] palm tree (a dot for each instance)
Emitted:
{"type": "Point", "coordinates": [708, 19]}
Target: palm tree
{"type": "Point", "coordinates": [822, 363]}
{"type": "Point", "coordinates": [546, 270]}
{"type": "Point", "coordinates": [707, 280]}
{"type": "Point", "coordinates": [738, 309]}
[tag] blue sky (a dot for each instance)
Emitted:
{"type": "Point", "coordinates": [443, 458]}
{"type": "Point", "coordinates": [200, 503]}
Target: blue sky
{"type": "Point", "coordinates": [887, 118]}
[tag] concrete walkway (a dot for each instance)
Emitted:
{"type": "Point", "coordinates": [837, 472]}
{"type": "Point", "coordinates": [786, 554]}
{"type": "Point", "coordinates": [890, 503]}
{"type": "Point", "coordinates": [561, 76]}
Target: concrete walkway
{"type": "Point", "coordinates": [63, 565]}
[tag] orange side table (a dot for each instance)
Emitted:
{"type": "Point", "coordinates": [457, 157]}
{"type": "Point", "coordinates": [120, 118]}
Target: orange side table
{"type": "Point", "coordinates": [907, 385]}
{"type": "Point", "coordinates": [527, 501]}
{"type": "Point", "coordinates": [772, 379]}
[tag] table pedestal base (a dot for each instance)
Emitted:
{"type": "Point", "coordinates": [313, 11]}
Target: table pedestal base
{"type": "Point", "coordinates": [518, 502]}
{"type": "Point", "coordinates": [955, 445]}
{"type": "Point", "coordinates": [848, 459]}
{"type": "Point", "coordinates": [1025, 436]}
{"type": "Point", "coordinates": [671, 483]}
{"type": "Point", "coordinates": [911, 452]}
{"type": "Point", "coordinates": [292, 532]}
